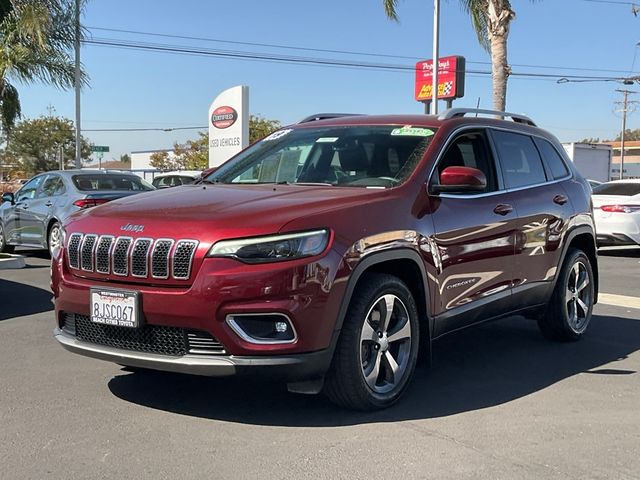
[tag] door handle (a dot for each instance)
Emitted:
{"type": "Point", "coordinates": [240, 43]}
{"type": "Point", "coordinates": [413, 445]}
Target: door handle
{"type": "Point", "coordinates": [48, 204]}
{"type": "Point", "coordinates": [24, 206]}
{"type": "Point", "coordinates": [503, 209]}
{"type": "Point", "coordinates": [560, 199]}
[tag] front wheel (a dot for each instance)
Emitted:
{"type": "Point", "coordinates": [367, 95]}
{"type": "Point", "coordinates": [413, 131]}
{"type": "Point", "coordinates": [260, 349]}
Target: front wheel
{"type": "Point", "coordinates": [378, 346]}
{"type": "Point", "coordinates": [569, 312]}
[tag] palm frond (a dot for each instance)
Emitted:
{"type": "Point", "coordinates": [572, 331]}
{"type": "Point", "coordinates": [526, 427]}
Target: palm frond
{"type": "Point", "coordinates": [9, 106]}
{"type": "Point", "coordinates": [390, 8]}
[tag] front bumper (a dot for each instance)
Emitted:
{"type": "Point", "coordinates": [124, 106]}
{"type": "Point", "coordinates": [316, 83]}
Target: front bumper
{"type": "Point", "coordinates": [286, 367]}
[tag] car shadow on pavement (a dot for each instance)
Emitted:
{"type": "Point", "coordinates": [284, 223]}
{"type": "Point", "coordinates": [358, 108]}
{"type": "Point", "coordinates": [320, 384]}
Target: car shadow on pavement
{"type": "Point", "coordinates": [478, 368]}
{"type": "Point", "coordinates": [19, 299]}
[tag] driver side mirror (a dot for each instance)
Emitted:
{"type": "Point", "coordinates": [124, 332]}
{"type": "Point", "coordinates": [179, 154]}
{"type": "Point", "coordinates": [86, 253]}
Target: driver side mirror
{"type": "Point", "coordinates": [8, 197]}
{"type": "Point", "coordinates": [460, 179]}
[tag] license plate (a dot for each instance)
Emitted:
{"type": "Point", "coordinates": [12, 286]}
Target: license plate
{"type": "Point", "coordinates": [114, 307]}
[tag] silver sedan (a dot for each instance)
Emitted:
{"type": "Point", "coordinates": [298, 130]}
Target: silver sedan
{"type": "Point", "coordinates": [33, 216]}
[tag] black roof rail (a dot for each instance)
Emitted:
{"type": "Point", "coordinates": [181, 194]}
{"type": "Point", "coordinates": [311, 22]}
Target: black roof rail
{"type": "Point", "coordinates": [325, 116]}
{"type": "Point", "coordinates": [461, 112]}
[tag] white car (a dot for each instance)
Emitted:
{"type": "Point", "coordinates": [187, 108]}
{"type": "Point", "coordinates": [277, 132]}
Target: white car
{"type": "Point", "coordinates": [175, 179]}
{"type": "Point", "coordinates": [616, 211]}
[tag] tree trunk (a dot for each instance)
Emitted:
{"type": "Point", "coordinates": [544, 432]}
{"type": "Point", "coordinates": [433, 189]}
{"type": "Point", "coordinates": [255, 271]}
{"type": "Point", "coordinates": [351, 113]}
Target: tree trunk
{"type": "Point", "coordinates": [499, 16]}
{"type": "Point", "coordinates": [500, 71]}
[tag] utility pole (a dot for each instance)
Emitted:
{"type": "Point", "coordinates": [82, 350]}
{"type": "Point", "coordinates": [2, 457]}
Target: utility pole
{"type": "Point", "coordinates": [625, 108]}
{"type": "Point", "coordinates": [77, 87]}
{"type": "Point", "coordinates": [436, 60]}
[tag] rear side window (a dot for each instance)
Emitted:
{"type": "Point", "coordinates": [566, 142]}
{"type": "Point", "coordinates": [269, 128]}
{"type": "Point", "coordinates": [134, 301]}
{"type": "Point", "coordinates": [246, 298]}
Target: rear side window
{"type": "Point", "coordinates": [552, 158]}
{"type": "Point", "coordinates": [622, 188]}
{"type": "Point", "coordinates": [520, 160]}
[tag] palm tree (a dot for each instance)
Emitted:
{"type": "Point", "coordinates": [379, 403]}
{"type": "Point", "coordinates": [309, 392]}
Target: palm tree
{"type": "Point", "coordinates": [491, 20]}
{"type": "Point", "coordinates": [36, 44]}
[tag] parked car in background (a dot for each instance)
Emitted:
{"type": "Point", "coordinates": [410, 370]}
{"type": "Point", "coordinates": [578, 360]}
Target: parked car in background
{"type": "Point", "coordinates": [205, 173]}
{"type": "Point", "coordinates": [175, 179]}
{"type": "Point", "coordinates": [616, 210]}
{"type": "Point", "coordinates": [33, 216]}
{"type": "Point", "coordinates": [330, 252]}
{"type": "Point", "coordinates": [593, 183]}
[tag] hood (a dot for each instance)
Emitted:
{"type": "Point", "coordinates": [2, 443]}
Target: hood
{"type": "Point", "coordinates": [211, 212]}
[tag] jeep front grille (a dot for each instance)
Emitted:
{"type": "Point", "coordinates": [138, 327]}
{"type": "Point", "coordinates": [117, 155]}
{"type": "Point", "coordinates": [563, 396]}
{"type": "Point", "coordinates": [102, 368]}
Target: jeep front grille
{"type": "Point", "coordinates": [163, 258]}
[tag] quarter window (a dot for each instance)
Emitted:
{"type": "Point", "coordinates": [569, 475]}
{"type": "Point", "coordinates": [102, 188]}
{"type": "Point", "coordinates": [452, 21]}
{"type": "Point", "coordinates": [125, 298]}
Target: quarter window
{"type": "Point", "coordinates": [520, 160]}
{"type": "Point", "coordinates": [552, 158]}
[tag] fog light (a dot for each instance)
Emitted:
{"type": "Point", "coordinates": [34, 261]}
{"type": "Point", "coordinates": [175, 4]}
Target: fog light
{"type": "Point", "coordinates": [263, 328]}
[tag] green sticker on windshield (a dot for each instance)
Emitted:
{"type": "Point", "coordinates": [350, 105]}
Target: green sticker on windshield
{"type": "Point", "coordinates": [410, 131]}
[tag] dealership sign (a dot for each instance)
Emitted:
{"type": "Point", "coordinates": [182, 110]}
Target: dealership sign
{"type": "Point", "coordinates": [228, 124]}
{"type": "Point", "coordinates": [450, 79]}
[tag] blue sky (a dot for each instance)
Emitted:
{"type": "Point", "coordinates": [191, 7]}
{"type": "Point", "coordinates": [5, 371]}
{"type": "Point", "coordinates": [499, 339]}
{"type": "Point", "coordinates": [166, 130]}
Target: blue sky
{"type": "Point", "coordinates": [135, 89]}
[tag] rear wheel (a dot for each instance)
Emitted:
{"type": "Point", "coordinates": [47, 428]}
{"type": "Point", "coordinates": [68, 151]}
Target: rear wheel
{"type": "Point", "coordinates": [569, 312]}
{"type": "Point", "coordinates": [378, 346]}
{"type": "Point", "coordinates": [54, 237]}
{"type": "Point", "coordinates": [4, 248]}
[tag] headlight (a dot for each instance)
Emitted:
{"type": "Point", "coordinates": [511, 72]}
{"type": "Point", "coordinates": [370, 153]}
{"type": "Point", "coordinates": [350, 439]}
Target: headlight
{"type": "Point", "coordinates": [274, 248]}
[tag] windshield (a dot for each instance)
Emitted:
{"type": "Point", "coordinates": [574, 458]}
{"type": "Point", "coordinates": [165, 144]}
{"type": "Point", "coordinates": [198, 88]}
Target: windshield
{"type": "Point", "coordinates": [362, 156]}
{"type": "Point", "coordinates": [617, 188]}
{"type": "Point", "coordinates": [94, 182]}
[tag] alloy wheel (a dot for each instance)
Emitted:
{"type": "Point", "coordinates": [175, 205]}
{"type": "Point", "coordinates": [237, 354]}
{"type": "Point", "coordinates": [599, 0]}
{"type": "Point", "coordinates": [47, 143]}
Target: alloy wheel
{"type": "Point", "coordinates": [55, 238]}
{"type": "Point", "coordinates": [385, 344]}
{"type": "Point", "coordinates": [578, 297]}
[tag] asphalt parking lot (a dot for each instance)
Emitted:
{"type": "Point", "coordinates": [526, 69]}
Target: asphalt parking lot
{"type": "Point", "coordinates": [499, 403]}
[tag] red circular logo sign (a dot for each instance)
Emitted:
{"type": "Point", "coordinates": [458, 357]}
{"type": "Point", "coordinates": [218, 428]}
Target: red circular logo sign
{"type": "Point", "coordinates": [224, 117]}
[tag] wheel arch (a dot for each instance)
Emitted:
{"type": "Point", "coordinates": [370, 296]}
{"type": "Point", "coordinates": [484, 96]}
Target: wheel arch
{"type": "Point", "coordinates": [583, 238]}
{"type": "Point", "coordinates": [404, 263]}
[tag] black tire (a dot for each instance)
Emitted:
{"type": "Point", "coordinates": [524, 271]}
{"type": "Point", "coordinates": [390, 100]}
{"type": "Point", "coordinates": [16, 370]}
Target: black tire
{"type": "Point", "coordinates": [568, 314]}
{"type": "Point", "coordinates": [4, 248]}
{"type": "Point", "coordinates": [361, 348]}
{"type": "Point", "coordinates": [54, 237]}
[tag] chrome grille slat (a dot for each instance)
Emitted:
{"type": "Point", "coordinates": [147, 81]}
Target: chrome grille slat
{"type": "Point", "coordinates": [162, 258]}
{"type": "Point", "coordinates": [73, 249]}
{"type": "Point", "coordinates": [86, 252]}
{"type": "Point", "coordinates": [103, 253]}
{"type": "Point", "coordinates": [182, 258]}
{"type": "Point", "coordinates": [140, 257]}
{"type": "Point", "coordinates": [201, 343]}
{"type": "Point", "coordinates": [120, 256]}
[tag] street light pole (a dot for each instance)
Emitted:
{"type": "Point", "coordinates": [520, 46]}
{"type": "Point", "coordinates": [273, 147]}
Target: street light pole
{"type": "Point", "coordinates": [77, 88]}
{"type": "Point", "coordinates": [436, 40]}
{"type": "Point", "coordinates": [625, 109]}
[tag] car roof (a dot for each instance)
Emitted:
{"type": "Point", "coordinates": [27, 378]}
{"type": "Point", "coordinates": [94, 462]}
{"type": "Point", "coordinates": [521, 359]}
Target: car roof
{"type": "Point", "coordinates": [451, 118]}
{"type": "Point", "coordinates": [184, 173]}
{"type": "Point", "coordinates": [89, 171]}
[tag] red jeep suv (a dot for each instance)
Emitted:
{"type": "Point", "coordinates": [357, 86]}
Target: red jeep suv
{"type": "Point", "coordinates": [328, 254]}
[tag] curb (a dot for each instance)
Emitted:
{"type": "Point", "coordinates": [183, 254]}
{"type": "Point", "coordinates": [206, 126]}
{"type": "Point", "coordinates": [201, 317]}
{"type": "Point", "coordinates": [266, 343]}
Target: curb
{"type": "Point", "coordinates": [8, 261]}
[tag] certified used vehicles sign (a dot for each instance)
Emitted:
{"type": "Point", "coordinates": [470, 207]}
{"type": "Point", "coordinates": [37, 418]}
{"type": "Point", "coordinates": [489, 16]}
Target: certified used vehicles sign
{"type": "Point", "coordinates": [224, 117]}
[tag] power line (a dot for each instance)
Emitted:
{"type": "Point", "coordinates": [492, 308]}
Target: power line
{"type": "Point", "coordinates": [266, 57]}
{"type": "Point", "coordinates": [169, 129]}
{"type": "Point", "coordinates": [341, 52]}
